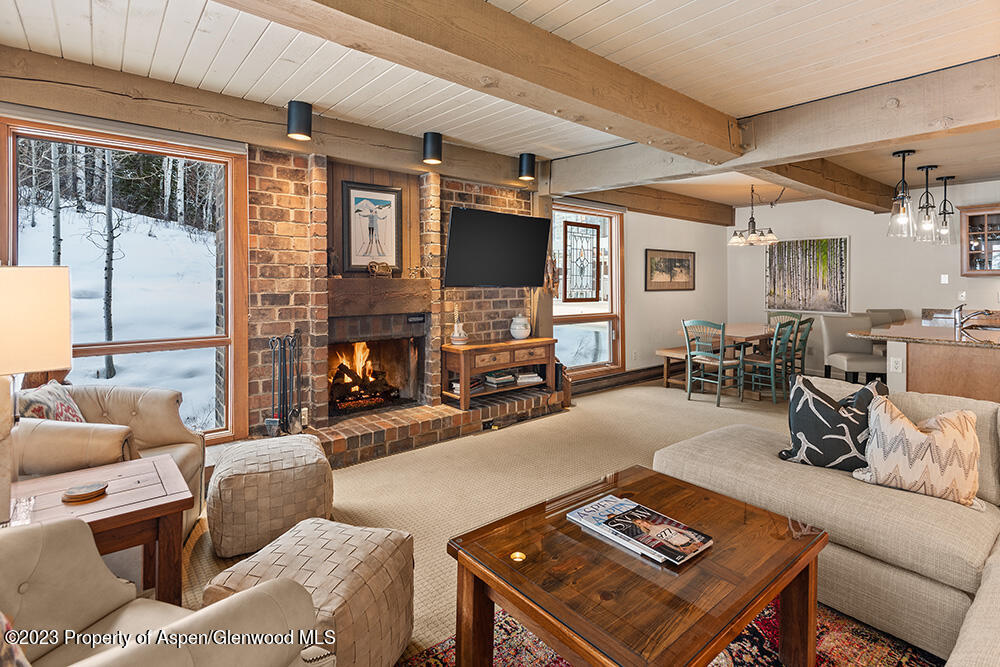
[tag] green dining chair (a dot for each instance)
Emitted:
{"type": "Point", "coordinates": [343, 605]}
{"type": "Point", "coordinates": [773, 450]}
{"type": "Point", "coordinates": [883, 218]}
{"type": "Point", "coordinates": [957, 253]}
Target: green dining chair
{"type": "Point", "coordinates": [706, 357]}
{"type": "Point", "coordinates": [762, 370]}
{"type": "Point", "coordinates": [801, 343]}
{"type": "Point", "coordinates": [788, 353]}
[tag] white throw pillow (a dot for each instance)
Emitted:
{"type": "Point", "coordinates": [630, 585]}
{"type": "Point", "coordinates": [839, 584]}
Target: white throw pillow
{"type": "Point", "coordinates": [938, 457]}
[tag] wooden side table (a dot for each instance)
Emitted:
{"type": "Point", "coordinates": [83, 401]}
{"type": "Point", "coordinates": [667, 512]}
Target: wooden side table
{"type": "Point", "coordinates": [143, 506]}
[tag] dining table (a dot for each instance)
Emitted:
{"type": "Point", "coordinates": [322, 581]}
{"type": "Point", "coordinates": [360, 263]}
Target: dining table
{"type": "Point", "coordinates": [754, 333]}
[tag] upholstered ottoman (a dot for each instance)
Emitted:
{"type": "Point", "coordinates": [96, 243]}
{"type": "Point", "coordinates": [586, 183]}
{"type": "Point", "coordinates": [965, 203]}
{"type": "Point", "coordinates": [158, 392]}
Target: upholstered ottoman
{"type": "Point", "coordinates": [360, 579]}
{"type": "Point", "coordinates": [261, 488]}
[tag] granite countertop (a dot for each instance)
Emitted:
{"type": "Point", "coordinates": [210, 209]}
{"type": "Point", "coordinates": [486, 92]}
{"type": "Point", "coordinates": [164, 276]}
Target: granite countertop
{"type": "Point", "coordinates": [932, 332]}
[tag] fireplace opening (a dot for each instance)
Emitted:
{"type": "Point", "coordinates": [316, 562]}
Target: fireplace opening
{"type": "Point", "coordinates": [367, 375]}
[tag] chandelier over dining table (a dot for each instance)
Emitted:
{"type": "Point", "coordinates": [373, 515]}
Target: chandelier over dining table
{"type": "Point", "coordinates": [751, 236]}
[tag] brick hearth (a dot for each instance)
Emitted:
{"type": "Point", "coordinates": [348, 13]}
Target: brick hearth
{"type": "Point", "coordinates": [376, 434]}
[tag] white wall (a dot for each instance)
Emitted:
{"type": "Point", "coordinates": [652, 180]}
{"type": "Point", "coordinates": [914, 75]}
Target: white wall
{"type": "Point", "coordinates": [884, 272]}
{"type": "Point", "coordinates": [653, 319]}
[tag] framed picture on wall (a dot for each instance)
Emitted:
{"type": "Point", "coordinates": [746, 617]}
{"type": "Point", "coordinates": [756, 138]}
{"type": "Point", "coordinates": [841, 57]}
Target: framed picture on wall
{"type": "Point", "coordinates": [809, 275]}
{"type": "Point", "coordinates": [669, 270]}
{"type": "Point", "coordinates": [373, 226]}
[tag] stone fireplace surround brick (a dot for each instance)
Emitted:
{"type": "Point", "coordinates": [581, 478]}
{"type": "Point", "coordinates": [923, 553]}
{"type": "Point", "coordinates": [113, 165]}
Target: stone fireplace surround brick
{"type": "Point", "coordinates": [289, 290]}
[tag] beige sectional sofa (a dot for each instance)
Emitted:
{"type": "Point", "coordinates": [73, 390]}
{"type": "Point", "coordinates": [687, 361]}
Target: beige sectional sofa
{"type": "Point", "coordinates": [923, 569]}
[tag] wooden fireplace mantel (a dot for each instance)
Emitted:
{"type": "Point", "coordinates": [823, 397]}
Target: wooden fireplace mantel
{"type": "Point", "coordinates": [379, 296]}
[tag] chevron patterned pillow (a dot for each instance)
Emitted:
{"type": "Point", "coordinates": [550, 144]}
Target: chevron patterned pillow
{"type": "Point", "coordinates": [938, 457]}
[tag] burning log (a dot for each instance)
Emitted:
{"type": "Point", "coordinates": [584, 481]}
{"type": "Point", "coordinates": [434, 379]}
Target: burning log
{"type": "Point", "coordinates": [349, 372]}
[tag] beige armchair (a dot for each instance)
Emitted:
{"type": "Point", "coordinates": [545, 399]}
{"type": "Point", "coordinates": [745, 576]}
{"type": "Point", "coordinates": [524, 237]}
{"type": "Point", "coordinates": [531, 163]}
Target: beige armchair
{"type": "Point", "coordinates": [123, 423]}
{"type": "Point", "coordinates": [54, 580]}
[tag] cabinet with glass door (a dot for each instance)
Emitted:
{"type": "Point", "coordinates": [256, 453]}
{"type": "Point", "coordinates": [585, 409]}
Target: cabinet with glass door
{"type": "Point", "coordinates": [981, 240]}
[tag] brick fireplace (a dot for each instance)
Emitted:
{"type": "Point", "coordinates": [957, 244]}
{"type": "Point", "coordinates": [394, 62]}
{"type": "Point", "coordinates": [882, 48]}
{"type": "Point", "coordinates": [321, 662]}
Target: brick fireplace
{"type": "Point", "coordinates": [363, 407]}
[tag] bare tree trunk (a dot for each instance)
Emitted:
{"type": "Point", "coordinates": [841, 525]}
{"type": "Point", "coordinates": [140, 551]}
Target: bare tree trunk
{"type": "Point", "coordinates": [33, 200]}
{"type": "Point", "coordinates": [56, 205]}
{"type": "Point", "coordinates": [168, 181]}
{"type": "Point", "coordinates": [180, 190]}
{"type": "Point", "coordinates": [75, 173]}
{"type": "Point", "coordinates": [109, 258]}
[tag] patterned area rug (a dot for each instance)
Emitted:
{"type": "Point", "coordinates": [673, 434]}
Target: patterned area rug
{"type": "Point", "coordinates": [840, 641]}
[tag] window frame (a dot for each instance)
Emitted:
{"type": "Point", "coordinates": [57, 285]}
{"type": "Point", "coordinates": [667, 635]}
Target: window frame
{"type": "Point", "coordinates": [616, 292]}
{"type": "Point", "coordinates": [235, 337]}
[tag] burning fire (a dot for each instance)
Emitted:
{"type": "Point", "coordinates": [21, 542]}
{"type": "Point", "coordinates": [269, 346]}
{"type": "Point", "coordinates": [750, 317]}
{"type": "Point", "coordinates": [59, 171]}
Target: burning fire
{"type": "Point", "coordinates": [360, 363]}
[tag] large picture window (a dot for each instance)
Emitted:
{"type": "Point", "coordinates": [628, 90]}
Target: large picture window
{"type": "Point", "coordinates": [587, 311]}
{"type": "Point", "coordinates": [149, 231]}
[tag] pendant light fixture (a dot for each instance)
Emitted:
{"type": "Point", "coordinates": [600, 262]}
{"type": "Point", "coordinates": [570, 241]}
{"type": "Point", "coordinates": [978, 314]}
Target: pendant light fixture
{"type": "Point", "coordinates": [526, 166]}
{"type": "Point", "coordinates": [432, 148]}
{"type": "Point", "coordinates": [300, 121]}
{"type": "Point", "coordinates": [926, 231]}
{"type": "Point", "coordinates": [943, 230]}
{"type": "Point", "coordinates": [751, 235]}
{"type": "Point", "coordinates": [902, 220]}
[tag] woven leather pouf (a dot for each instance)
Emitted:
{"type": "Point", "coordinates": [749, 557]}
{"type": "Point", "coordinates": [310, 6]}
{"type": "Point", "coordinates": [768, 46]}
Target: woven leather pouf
{"type": "Point", "coordinates": [261, 488]}
{"type": "Point", "coordinates": [360, 579]}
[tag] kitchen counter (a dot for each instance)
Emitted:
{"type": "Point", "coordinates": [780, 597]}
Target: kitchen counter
{"type": "Point", "coordinates": [931, 332]}
{"type": "Point", "coordinates": [931, 357]}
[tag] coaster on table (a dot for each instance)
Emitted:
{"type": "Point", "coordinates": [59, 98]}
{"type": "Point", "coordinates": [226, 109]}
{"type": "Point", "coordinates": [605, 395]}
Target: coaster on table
{"type": "Point", "coordinates": [85, 492]}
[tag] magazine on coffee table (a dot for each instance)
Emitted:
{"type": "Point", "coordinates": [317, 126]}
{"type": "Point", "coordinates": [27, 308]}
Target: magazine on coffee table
{"type": "Point", "coordinates": [642, 530]}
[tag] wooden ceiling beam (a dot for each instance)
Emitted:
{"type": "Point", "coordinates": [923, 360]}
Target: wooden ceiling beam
{"type": "Point", "coordinates": [829, 180]}
{"type": "Point", "coordinates": [965, 98]}
{"type": "Point", "coordinates": [38, 80]}
{"type": "Point", "coordinates": [668, 204]}
{"type": "Point", "coordinates": [482, 47]}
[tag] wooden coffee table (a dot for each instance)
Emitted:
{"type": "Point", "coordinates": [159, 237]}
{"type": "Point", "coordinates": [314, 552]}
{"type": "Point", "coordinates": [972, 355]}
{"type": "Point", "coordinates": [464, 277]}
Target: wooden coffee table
{"type": "Point", "coordinates": [599, 604]}
{"type": "Point", "coordinates": [144, 506]}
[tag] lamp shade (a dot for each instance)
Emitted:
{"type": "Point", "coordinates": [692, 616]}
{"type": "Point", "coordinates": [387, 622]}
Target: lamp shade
{"type": "Point", "coordinates": [300, 120]}
{"type": "Point", "coordinates": [35, 335]}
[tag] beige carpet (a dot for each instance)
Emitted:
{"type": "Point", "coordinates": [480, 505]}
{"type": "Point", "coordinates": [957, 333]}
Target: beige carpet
{"type": "Point", "coordinates": [451, 487]}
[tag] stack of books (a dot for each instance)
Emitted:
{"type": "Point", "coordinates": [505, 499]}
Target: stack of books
{"type": "Point", "coordinates": [475, 384]}
{"type": "Point", "coordinates": [528, 378]}
{"type": "Point", "coordinates": [641, 530]}
{"type": "Point", "coordinates": [501, 378]}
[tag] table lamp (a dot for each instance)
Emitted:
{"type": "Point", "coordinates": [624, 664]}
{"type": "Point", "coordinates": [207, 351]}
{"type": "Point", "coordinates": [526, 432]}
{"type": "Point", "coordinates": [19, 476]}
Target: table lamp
{"type": "Point", "coordinates": [34, 337]}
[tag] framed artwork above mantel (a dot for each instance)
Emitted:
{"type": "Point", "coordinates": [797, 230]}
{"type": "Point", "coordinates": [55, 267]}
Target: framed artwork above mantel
{"type": "Point", "coordinates": [373, 226]}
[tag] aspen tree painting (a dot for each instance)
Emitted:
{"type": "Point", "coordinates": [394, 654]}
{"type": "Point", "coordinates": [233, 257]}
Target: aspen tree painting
{"type": "Point", "coordinates": [808, 274]}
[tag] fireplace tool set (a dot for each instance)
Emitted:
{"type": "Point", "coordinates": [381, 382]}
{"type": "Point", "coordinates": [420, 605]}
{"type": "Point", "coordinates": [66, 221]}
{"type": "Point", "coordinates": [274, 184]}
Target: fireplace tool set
{"type": "Point", "coordinates": [286, 389]}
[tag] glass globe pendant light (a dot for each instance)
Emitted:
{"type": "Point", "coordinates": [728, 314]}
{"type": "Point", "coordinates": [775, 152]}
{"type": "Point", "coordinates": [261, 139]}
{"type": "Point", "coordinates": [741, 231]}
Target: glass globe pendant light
{"type": "Point", "coordinates": [926, 231]}
{"type": "Point", "coordinates": [943, 230]}
{"type": "Point", "coordinates": [902, 218]}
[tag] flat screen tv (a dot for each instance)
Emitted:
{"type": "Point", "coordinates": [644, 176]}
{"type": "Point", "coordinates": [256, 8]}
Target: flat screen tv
{"type": "Point", "coordinates": [487, 249]}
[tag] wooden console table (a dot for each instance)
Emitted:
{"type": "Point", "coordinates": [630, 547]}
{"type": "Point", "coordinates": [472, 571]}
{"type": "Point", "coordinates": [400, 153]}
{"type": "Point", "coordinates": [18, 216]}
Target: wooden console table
{"type": "Point", "coordinates": [469, 360]}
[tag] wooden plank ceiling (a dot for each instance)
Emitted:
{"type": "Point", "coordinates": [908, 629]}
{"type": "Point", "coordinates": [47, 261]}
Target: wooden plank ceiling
{"type": "Point", "coordinates": [206, 45]}
{"type": "Point", "coordinates": [746, 57]}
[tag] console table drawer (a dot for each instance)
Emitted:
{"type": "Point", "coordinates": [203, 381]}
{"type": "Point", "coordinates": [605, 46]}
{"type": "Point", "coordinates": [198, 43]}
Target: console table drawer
{"type": "Point", "coordinates": [530, 354]}
{"type": "Point", "coordinates": [492, 359]}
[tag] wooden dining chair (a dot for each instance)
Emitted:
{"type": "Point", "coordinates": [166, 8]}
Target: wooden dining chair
{"type": "Point", "coordinates": [772, 369]}
{"type": "Point", "coordinates": [706, 357]}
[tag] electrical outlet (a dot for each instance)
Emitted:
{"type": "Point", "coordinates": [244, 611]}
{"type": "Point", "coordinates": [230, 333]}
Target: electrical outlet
{"type": "Point", "coordinates": [998, 296]}
{"type": "Point", "coordinates": [895, 365]}
{"type": "Point", "coordinates": [961, 296]}
{"type": "Point", "coordinates": [944, 278]}
{"type": "Point", "coordinates": [635, 355]}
